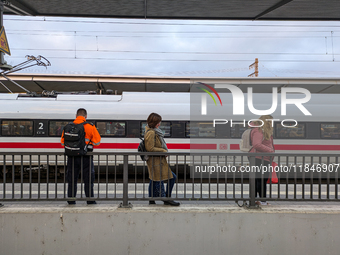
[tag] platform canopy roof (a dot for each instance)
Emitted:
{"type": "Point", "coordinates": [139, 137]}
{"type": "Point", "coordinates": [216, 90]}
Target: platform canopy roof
{"type": "Point", "coordinates": [118, 84]}
{"type": "Point", "coordinates": [184, 9]}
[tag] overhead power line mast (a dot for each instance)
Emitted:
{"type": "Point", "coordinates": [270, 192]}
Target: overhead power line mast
{"type": "Point", "coordinates": [256, 65]}
{"type": "Point", "coordinates": [4, 48]}
{"type": "Point", "coordinates": [6, 69]}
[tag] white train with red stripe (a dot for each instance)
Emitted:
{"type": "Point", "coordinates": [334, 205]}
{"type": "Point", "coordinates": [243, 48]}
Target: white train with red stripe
{"type": "Point", "coordinates": [30, 124]}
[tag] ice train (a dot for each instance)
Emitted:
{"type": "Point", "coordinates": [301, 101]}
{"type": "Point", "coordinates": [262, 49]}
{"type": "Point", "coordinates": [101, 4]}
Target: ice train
{"type": "Point", "coordinates": [34, 124]}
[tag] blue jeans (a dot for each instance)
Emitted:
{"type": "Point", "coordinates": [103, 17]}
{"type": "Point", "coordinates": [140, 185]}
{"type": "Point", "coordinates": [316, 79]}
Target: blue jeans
{"type": "Point", "coordinates": [156, 188]}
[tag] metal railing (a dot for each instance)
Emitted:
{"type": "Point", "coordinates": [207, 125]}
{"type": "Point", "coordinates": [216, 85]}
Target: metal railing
{"type": "Point", "coordinates": [200, 177]}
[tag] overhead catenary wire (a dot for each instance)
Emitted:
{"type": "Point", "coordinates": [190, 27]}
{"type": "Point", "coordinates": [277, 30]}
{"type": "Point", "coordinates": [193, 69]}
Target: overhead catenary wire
{"type": "Point", "coordinates": [165, 36]}
{"type": "Point", "coordinates": [76, 34]}
{"type": "Point", "coordinates": [288, 32]}
{"type": "Point", "coordinates": [173, 23]}
{"type": "Point", "coordinates": [188, 60]}
{"type": "Point", "coordinates": [169, 32]}
{"type": "Point", "coordinates": [194, 72]}
{"type": "Point", "coordinates": [246, 69]}
{"type": "Point", "coordinates": [268, 70]}
{"type": "Point", "coordinates": [174, 52]}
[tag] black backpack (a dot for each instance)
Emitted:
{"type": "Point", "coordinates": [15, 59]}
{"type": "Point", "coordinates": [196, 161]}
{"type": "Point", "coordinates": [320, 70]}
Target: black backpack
{"type": "Point", "coordinates": [74, 139]}
{"type": "Point", "coordinates": [141, 148]}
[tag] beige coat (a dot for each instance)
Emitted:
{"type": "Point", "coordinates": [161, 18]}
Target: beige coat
{"type": "Point", "coordinates": [158, 167]}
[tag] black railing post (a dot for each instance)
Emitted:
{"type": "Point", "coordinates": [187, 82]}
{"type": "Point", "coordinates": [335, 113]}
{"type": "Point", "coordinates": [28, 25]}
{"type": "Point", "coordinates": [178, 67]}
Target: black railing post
{"type": "Point", "coordinates": [125, 203]}
{"type": "Point", "coordinates": [252, 194]}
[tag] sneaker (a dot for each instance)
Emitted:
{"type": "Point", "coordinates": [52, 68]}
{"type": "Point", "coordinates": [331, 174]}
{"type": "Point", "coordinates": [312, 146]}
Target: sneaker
{"type": "Point", "coordinates": [71, 202]}
{"type": "Point", "coordinates": [91, 202]}
{"type": "Point", "coordinates": [152, 202]}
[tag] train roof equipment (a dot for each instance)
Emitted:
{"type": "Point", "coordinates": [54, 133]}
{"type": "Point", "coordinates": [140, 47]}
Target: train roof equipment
{"type": "Point", "coordinates": [115, 84]}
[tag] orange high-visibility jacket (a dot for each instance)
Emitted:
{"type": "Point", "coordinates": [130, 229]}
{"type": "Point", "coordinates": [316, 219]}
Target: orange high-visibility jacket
{"type": "Point", "coordinates": [91, 132]}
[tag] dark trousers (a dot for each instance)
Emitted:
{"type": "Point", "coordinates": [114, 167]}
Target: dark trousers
{"type": "Point", "coordinates": [156, 188]}
{"type": "Point", "coordinates": [80, 165]}
{"type": "Point", "coordinates": [261, 179]}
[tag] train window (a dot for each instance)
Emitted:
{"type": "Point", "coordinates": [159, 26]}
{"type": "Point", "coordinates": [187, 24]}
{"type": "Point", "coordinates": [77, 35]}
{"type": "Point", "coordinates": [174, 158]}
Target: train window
{"type": "Point", "coordinates": [199, 130]}
{"type": "Point", "coordinates": [165, 127]}
{"type": "Point", "coordinates": [289, 131]}
{"type": "Point", "coordinates": [330, 130]}
{"type": "Point", "coordinates": [133, 128]}
{"type": "Point", "coordinates": [178, 129]}
{"type": "Point", "coordinates": [111, 128]}
{"type": "Point", "coordinates": [17, 128]}
{"type": "Point", "coordinates": [56, 127]}
{"type": "Point", "coordinates": [237, 130]}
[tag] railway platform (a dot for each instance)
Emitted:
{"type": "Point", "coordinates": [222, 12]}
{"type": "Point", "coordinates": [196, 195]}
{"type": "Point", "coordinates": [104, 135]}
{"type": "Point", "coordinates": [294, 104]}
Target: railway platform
{"type": "Point", "coordinates": [192, 228]}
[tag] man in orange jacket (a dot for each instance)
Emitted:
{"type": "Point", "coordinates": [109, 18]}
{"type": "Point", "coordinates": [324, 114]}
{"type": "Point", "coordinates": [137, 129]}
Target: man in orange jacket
{"type": "Point", "coordinates": [74, 163]}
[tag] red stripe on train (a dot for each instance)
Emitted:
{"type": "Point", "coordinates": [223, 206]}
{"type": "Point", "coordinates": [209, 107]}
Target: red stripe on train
{"type": "Point", "coordinates": [203, 146]}
{"type": "Point", "coordinates": [297, 147]}
{"type": "Point", "coordinates": [30, 146]}
{"type": "Point", "coordinates": [172, 146]}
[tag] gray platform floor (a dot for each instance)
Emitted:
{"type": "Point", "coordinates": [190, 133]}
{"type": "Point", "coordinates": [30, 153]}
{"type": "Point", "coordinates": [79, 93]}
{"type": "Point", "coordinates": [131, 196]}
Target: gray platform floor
{"type": "Point", "coordinates": [194, 194]}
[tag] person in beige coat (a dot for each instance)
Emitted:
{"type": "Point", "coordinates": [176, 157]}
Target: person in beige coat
{"type": "Point", "coordinates": [159, 169]}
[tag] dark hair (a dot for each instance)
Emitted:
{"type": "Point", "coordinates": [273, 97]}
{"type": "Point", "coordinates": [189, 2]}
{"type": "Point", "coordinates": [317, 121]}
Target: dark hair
{"type": "Point", "coordinates": [81, 112]}
{"type": "Point", "coordinates": [153, 120]}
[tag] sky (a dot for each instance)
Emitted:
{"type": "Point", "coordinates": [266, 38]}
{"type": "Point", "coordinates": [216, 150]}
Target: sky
{"type": "Point", "coordinates": [181, 48]}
